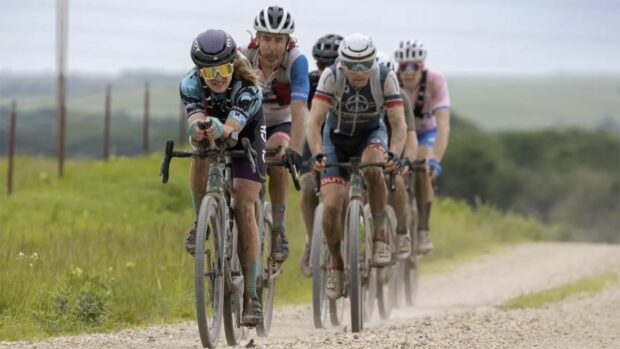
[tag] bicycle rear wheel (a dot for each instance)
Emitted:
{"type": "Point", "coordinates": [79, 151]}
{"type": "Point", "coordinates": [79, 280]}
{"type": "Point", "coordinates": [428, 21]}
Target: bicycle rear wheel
{"type": "Point", "coordinates": [209, 268]}
{"type": "Point", "coordinates": [233, 297]}
{"type": "Point", "coordinates": [411, 266]}
{"type": "Point", "coordinates": [370, 273]}
{"type": "Point", "coordinates": [266, 283]}
{"type": "Point", "coordinates": [318, 260]}
{"type": "Point", "coordinates": [387, 276]}
{"type": "Point", "coordinates": [354, 220]}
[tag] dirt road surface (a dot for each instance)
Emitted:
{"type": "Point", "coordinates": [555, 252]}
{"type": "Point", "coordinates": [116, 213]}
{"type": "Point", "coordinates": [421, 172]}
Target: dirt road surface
{"type": "Point", "coordinates": [455, 309]}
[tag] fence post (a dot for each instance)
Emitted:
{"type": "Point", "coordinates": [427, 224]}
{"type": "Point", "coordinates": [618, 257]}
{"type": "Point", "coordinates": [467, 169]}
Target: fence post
{"type": "Point", "coordinates": [145, 131]}
{"type": "Point", "coordinates": [106, 125]}
{"type": "Point", "coordinates": [182, 124]}
{"type": "Point", "coordinates": [9, 184]}
{"type": "Point", "coordinates": [61, 49]}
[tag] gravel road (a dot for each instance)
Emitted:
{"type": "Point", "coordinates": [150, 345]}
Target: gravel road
{"type": "Point", "coordinates": [455, 309]}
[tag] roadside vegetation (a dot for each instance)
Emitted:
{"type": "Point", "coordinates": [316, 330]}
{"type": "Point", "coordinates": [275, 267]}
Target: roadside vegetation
{"type": "Point", "coordinates": [589, 285]}
{"type": "Point", "coordinates": [102, 248]}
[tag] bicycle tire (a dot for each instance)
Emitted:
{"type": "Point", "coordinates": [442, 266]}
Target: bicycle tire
{"type": "Point", "coordinates": [370, 273]}
{"type": "Point", "coordinates": [386, 277]}
{"type": "Point", "coordinates": [210, 228]}
{"type": "Point", "coordinates": [233, 297]}
{"type": "Point", "coordinates": [266, 291]}
{"type": "Point", "coordinates": [318, 259]}
{"type": "Point", "coordinates": [354, 213]}
{"type": "Point", "coordinates": [411, 270]}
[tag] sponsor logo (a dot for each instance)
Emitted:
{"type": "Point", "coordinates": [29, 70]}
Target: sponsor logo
{"type": "Point", "coordinates": [333, 180]}
{"type": "Point", "coordinates": [357, 103]}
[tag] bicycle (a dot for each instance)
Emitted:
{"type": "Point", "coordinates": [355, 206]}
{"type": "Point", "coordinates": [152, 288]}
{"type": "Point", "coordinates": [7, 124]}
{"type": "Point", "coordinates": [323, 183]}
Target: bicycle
{"type": "Point", "coordinates": [357, 246]}
{"type": "Point", "coordinates": [216, 236]}
{"type": "Point", "coordinates": [410, 268]}
{"type": "Point", "coordinates": [399, 280]}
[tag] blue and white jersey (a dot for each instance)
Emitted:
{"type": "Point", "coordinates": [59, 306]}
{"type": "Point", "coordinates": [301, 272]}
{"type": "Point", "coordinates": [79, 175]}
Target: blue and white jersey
{"type": "Point", "coordinates": [357, 111]}
{"type": "Point", "coordinates": [241, 101]}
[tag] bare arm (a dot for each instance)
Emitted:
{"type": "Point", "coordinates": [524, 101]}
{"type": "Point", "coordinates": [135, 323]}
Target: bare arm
{"type": "Point", "coordinates": [317, 117]}
{"type": "Point", "coordinates": [398, 137]}
{"type": "Point", "coordinates": [231, 126]}
{"type": "Point", "coordinates": [443, 132]}
{"type": "Point", "coordinates": [411, 147]}
{"type": "Point", "coordinates": [298, 111]}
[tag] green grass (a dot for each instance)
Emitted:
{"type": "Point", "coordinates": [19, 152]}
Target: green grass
{"type": "Point", "coordinates": [590, 285]}
{"type": "Point", "coordinates": [548, 101]}
{"type": "Point", "coordinates": [102, 248]}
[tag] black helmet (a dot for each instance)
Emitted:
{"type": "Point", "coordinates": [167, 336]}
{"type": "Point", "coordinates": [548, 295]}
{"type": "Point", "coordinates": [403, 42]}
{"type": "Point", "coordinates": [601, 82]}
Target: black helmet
{"type": "Point", "coordinates": [326, 48]}
{"type": "Point", "coordinates": [213, 47]}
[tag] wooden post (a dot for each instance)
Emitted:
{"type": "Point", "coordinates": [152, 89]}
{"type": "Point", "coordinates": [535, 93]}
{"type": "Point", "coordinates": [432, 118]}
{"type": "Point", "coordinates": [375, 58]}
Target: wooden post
{"type": "Point", "coordinates": [145, 132]}
{"type": "Point", "coordinates": [9, 184]}
{"type": "Point", "coordinates": [61, 49]}
{"type": "Point", "coordinates": [182, 123]}
{"type": "Point", "coordinates": [106, 125]}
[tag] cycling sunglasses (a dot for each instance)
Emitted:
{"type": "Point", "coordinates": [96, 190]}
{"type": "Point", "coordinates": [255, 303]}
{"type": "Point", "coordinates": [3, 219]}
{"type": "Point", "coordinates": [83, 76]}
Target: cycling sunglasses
{"type": "Point", "coordinates": [209, 73]}
{"type": "Point", "coordinates": [409, 66]}
{"type": "Point", "coordinates": [359, 67]}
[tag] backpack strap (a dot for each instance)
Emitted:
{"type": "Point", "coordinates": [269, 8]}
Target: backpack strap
{"type": "Point", "coordinates": [376, 86]}
{"type": "Point", "coordinates": [419, 102]}
{"type": "Point", "coordinates": [341, 81]}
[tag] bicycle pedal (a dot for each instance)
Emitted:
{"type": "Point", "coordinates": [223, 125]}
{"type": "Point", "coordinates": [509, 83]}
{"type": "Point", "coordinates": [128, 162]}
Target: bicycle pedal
{"type": "Point", "coordinates": [250, 324]}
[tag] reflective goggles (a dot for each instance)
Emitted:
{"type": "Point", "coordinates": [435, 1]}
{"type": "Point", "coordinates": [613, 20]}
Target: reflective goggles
{"type": "Point", "coordinates": [209, 73]}
{"type": "Point", "coordinates": [358, 67]}
{"type": "Point", "coordinates": [410, 66]}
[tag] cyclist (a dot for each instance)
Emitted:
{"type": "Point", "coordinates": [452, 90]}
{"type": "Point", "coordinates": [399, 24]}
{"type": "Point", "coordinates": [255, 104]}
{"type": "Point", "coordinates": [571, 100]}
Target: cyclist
{"type": "Point", "coordinates": [325, 52]}
{"type": "Point", "coordinates": [352, 98]}
{"type": "Point", "coordinates": [283, 72]}
{"type": "Point", "coordinates": [398, 198]}
{"type": "Point", "coordinates": [223, 88]}
{"type": "Point", "coordinates": [428, 94]}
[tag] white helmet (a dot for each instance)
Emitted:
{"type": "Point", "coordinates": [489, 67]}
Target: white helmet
{"type": "Point", "coordinates": [386, 60]}
{"type": "Point", "coordinates": [357, 48]}
{"type": "Point", "coordinates": [410, 50]}
{"type": "Point", "coordinates": [275, 20]}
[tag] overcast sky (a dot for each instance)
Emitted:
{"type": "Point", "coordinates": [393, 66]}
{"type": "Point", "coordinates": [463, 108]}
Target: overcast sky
{"type": "Point", "coordinates": [462, 36]}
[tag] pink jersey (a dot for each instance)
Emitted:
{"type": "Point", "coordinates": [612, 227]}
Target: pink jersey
{"type": "Point", "coordinates": [437, 97]}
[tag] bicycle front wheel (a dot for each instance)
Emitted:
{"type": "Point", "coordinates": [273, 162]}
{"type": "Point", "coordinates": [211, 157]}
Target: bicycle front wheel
{"type": "Point", "coordinates": [233, 298]}
{"type": "Point", "coordinates": [411, 266]}
{"type": "Point", "coordinates": [266, 283]}
{"type": "Point", "coordinates": [354, 221]}
{"type": "Point", "coordinates": [209, 268]}
{"type": "Point", "coordinates": [387, 277]}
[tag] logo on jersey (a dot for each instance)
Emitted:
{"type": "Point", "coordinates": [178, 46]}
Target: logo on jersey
{"type": "Point", "coordinates": [357, 103]}
{"type": "Point", "coordinates": [263, 133]}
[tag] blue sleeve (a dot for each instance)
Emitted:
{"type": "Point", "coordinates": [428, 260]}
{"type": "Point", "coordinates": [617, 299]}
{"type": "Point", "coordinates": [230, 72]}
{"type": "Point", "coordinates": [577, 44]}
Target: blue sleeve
{"type": "Point", "coordinates": [246, 103]}
{"type": "Point", "coordinates": [300, 86]}
{"type": "Point", "coordinates": [192, 94]}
